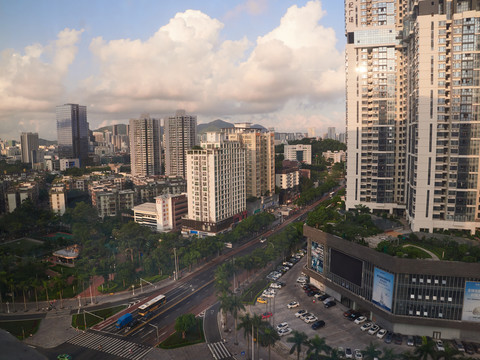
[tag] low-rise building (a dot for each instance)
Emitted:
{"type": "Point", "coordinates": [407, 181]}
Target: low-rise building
{"type": "Point", "coordinates": [335, 156]}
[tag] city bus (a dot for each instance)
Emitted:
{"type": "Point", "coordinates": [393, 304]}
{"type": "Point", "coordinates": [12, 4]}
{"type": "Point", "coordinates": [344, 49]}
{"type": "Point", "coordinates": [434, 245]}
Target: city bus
{"type": "Point", "coordinates": [145, 310]}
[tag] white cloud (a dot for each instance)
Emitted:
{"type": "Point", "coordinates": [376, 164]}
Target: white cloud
{"type": "Point", "coordinates": [284, 78]}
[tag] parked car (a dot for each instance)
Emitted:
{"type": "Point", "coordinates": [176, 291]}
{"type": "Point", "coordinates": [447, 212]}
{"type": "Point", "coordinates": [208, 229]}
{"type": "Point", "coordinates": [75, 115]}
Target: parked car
{"type": "Point", "coordinates": [417, 340]}
{"type": "Point", "coordinates": [318, 324]}
{"type": "Point", "coordinates": [293, 304]}
{"type": "Point", "coordinates": [398, 339]}
{"type": "Point", "coordinates": [302, 280]}
{"type": "Point", "coordinates": [305, 315]}
{"type": "Point", "coordinates": [388, 338]}
{"type": "Point", "coordinates": [373, 330]}
{"type": "Point", "coordinates": [287, 263]}
{"type": "Point", "coordinates": [410, 341]}
{"type": "Point", "coordinates": [360, 320]}
{"type": "Point", "coordinates": [300, 313]}
{"type": "Point", "coordinates": [358, 354]}
{"type": "Point", "coordinates": [330, 304]}
{"type": "Point", "coordinates": [439, 345]}
{"type": "Point", "coordinates": [366, 326]}
{"type": "Point", "coordinates": [282, 325]}
{"type": "Point", "coordinates": [348, 313]}
{"type": "Point", "coordinates": [283, 332]}
{"type": "Point", "coordinates": [458, 344]}
{"type": "Point", "coordinates": [381, 333]}
{"type": "Point", "coordinates": [262, 300]}
{"type": "Point", "coordinates": [267, 315]}
{"type": "Point", "coordinates": [275, 285]}
{"type": "Point", "coordinates": [469, 348]}
{"type": "Point", "coordinates": [310, 319]}
{"type": "Point", "coordinates": [348, 353]}
{"type": "Point", "coordinates": [355, 316]}
{"type": "Point", "coordinates": [328, 299]}
{"type": "Point", "coordinates": [324, 297]}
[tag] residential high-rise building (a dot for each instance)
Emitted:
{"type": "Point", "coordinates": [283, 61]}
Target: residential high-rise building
{"type": "Point", "coordinates": [259, 158]}
{"type": "Point", "coordinates": [145, 146]}
{"type": "Point", "coordinates": [180, 136]}
{"type": "Point", "coordinates": [29, 144]}
{"type": "Point", "coordinates": [332, 133]}
{"type": "Point", "coordinates": [412, 110]}
{"type": "Point", "coordinates": [58, 198]}
{"type": "Point", "coordinates": [72, 132]}
{"type": "Point", "coordinates": [215, 185]}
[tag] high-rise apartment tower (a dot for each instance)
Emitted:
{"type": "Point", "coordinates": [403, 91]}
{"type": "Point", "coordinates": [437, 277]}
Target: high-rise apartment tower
{"type": "Point", "coordinates": [145, 146]}
{"type": "Point", "coordinates": [29, 143]}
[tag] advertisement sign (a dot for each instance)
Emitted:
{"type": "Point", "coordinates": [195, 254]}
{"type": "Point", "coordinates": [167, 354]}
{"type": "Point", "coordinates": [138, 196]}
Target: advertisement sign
{"type": "Point", "coordinates": [471, 302]}
{"type": "Point", "coordinates": [383, 289]}
{"type": "Point", "coordinates": [317, 257]}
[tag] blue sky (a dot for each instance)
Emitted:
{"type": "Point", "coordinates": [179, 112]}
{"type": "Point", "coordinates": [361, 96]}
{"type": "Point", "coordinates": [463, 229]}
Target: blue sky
{"type": "Point", "coordinates": [277, 63]}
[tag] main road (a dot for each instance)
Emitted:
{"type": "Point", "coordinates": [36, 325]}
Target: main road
{"type": "Point", "coordinates": [191, 294]}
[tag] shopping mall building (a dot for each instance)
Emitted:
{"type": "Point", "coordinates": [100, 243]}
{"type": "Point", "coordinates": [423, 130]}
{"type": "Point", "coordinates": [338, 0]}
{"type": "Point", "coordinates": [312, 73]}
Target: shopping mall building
{"type": "Point", "coordinates": [436, 298]}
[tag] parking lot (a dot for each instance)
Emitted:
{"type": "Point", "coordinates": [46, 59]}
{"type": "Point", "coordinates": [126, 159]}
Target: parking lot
{"type": "Point", "coordinates": [338, 331]}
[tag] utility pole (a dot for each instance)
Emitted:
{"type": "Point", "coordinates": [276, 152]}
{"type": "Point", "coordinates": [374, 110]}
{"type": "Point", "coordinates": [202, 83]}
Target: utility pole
{"type": "Point", "coordinates": [176, 264]}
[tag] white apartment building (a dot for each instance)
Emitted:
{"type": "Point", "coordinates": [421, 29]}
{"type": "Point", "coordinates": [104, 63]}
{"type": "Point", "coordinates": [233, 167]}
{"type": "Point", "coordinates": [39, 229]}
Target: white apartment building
{"type": "Point", "coordinates": [58, 198]}
{"type": "Point", "coordinates": [335, 156]}
{"type": "Point", "coordinates": [413, 133]}
{"type": "Point", "coordinates": [288, 178]}
{"type": "Point", "coordinates": [299, 152]}
{"type": "Point", "coordinates": [215, 185]}
{"type": "Point", "coordinates": [259, 158]}
{"type": "Point", "coordinates": [164, 215]}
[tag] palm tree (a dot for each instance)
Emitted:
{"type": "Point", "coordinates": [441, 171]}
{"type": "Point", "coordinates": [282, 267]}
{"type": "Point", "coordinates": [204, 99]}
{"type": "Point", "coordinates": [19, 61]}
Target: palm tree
{"type": "Point", "coordinates": [316, 346]}
{"type": "Point", "coordinates": [371, 352]}
{"type": "Point", "coordinates": [388, 354]}
{"type": "Point", "coordinates": [407, 355]}
{"type": "Point", "coordinates": [59, 284]}
{"type": "Point", "coordinates": [298, 339]}
{"type": "Point", "coordinates": [426, 350]}
{"type": "Point", "coordinates": [257, 324]}
{"type": "Point", "coordinates": [268, 338]}
{"type": "Point", "coordinates": [448, 354]}
{"type": "Point", "coordinates": [246, 325]}
{"type": "Point", "coordinates": [336, 355]}
{"type": "Point", "coordinates": [236, 305]}
{"type": "Point", "coordinates": [225, 306]}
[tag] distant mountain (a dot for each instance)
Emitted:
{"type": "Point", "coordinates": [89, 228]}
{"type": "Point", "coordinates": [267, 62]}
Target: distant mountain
{"type": "Point", "coordinates": [218, 124]}
{"type": "Point", "coordinates": [43, 142]}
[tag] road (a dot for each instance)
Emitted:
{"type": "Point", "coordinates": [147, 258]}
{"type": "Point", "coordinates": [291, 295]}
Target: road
{"type": "Point", "coordinates": [191, 294]}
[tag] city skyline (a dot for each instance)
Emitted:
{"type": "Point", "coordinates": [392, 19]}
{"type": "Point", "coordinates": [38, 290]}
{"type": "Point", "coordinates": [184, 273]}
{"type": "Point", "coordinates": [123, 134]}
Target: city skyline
{"type": "Point", "coordinates": [277, 63]}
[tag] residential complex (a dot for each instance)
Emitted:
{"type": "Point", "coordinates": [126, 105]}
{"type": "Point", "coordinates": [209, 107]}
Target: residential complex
{"type": "Point", "coordinates": [412, 124]}
{"type": "Point", "coordinates": [145, 146]}
{"type": "Point", "coordinates": [180, 136]}
{"type": "Point", "coordinates": [72, 132]}
{"type": "Point", "coordinates": [259, 158]}
{"type": "Point", "coordinates": [215, 186]}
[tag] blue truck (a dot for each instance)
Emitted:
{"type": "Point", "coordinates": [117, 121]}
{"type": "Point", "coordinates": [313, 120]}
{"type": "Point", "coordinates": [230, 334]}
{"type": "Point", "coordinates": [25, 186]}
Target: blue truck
{"type": "Point", "coordinates": [124, 320]}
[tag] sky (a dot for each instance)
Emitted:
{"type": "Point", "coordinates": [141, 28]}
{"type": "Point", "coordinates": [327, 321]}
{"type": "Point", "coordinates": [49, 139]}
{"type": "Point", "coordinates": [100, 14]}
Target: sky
{"type": "Point", "coordinates": [277, 63]}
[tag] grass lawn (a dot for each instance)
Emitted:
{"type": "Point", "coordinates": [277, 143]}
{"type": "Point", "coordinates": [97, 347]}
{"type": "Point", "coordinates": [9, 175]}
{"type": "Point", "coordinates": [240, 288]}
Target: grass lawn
{"type": "Point", "coordinates": [194, 336]}
{"type": "Point", "coordinates": [250, 294]}
{"type": "Point", "coordinates": [77, 319]}
{"type": "Point", "coordinates": [21, 329]}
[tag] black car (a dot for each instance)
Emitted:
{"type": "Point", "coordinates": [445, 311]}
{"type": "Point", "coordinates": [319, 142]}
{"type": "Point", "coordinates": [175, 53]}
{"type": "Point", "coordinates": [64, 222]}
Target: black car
{"type": "Point", "coordinates": [388, 338]}
{"type": "Point", "coordinates": [417, 340]}
{"type": "Point", "coordinates": [324, 296]}
{"type": "Point", "coordinates": [311, 293]}
{"type": "Point", "coordinates": [318, 324]}
{"type": "Point", "coordinates": [468, 348]}
{"type": "Point", "coordinates": [398, 339]}
{"type": "Point", "coordinates": [330, 304]}
{"type": "Point", "coordinates": [354, 316]}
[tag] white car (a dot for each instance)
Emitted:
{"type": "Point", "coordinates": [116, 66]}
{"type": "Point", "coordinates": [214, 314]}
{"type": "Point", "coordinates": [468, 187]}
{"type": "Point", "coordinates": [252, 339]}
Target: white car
{"type": "Point", "coordinates": [310, 319]}
{"type": "Point", "coordinates": [439, 344]}
{"type": "Point", "coordinates": [304, 316]}
{"type": "Point", "coordinates": [300, 313]}
{"type": "Point", "coordinates": [358, 354]}
{"type": "Point", "coordinates": [275, 285]}
{"type": "Point", "coordinates": [287, 263]}
{"type": "Point", "coordinates": [348, 353]}
{"type": "Point", "coordinates": [366, 326]}
{"type": "Point", "coordinates": [283, 332]}
{"type": "Point", "coordinates": [373, 330]}
{"type": "Point", "coordinates": [381, 333]}
{"type": "Point", "coordinates": [293, 304]}
{"type": "Point", "coordinates": [360, 320]}
{"type": "Point", "coordinates": [282, 325]}
{"type": "Point", "coordinates": [302, 280]}
{"type": "Point", "coordinates": [327, 300]}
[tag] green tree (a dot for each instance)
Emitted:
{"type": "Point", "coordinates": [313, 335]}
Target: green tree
{"type": "Point", "coordinates": [371, 352]}
{"type": "Point", "coordinates": [184, 323]}
{"type": "Point", "coordinates": [388, 354]}
{"type": "Point", "coordinates": [236, 305]}
{"type": "Point", "coordinates": [426, 350]}
{"type": "Point", "coordinates": [225, 306]}
{"type": "Point", "coordinates": [268, 338]}
{"type": "Point", "coordinates": [298, 339]}
{"type": "Point", "coordinates": [246, 325]}
{"type": "Point", "coordinates": [316, 347]}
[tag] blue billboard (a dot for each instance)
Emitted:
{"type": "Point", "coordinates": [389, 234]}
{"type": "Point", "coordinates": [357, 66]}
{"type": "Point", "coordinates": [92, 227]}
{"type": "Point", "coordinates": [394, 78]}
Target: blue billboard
{"type": "Point", "coordinates": [382, 295]}
{"type": "Point", "coordinates": [317, 256]}
{"type": "Point", "coordinates": [471, 301]}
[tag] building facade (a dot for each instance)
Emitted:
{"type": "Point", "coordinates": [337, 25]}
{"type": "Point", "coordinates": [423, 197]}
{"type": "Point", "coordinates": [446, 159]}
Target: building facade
{"type": "Point", "coordinates": [29, 144]}
{"type": "Point", "coordinates": [180, 136]}
{"type": "Point", "coordinates": [409, 296]}
{"type": "Point", "coordinates": [72, 132]}
{"type": "Point", "coordinates": [145, 146]}
{"type": "Point", "coordinates": [412, 110]}
{"type": "Point", "coordinates": [299, 152]}
{"type": "Point", "coordinates": [215, 185]}
{"type": "Point", "coordinates": [259, 158]}
{"type": "Point", "coordinates": [58, 198]}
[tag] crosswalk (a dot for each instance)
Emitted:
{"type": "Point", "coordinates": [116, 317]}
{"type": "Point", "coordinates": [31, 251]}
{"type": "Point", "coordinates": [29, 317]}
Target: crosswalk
{"type": "Point", "coordinates": [219, 351]}
{"type": "Point", "coordinates": [111, 345]}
